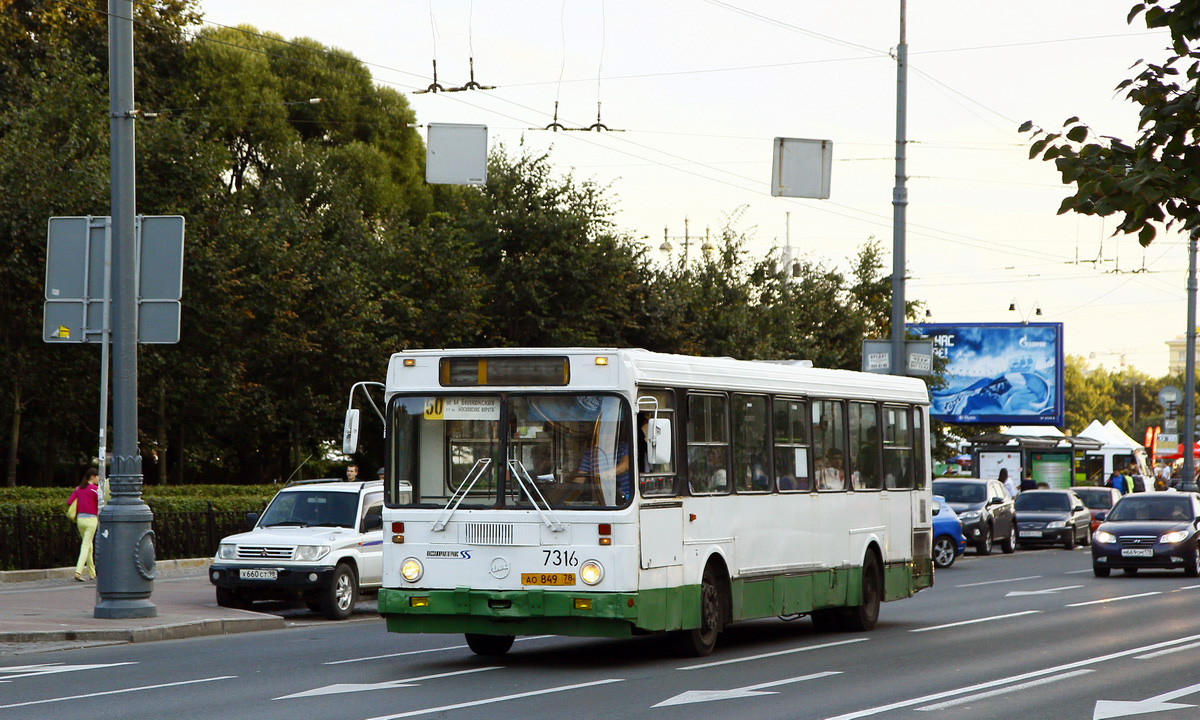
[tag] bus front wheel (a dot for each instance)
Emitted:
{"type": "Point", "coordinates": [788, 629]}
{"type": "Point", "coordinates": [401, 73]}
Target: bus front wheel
{"type": "Point", "coordinates": [866, 615]}
{"type": "Point", "coordinates": [700, 641]}
{"type": "Point", "coordinates": [489, 645]}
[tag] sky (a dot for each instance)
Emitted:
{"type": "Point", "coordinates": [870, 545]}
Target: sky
{"type": "Point", "coordinates": [695, 91]}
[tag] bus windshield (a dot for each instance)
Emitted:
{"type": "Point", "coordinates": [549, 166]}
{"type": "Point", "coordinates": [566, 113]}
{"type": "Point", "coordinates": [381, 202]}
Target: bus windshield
{"type": "Point", "coordinates": [565, 450]}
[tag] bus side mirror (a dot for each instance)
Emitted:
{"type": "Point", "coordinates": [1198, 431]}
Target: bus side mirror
{"type": "Point", "coordinates": [350, 433]}
{"type": "Point", "coordinates": [658, 441]}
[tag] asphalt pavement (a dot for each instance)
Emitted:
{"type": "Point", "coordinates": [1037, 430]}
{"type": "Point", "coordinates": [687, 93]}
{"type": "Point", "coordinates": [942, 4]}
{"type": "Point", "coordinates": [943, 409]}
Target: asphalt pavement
{"type": "Point", "coordinates": [42, 610]}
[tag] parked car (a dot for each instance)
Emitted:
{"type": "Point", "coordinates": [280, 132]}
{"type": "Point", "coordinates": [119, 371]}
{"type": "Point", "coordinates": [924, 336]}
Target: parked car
{"type": "Point", "coordinates": [985, 509]}
{"type": "Point", "coordinates": [948, 540]}
{"type": "Point", "coordinates": [319, 541]}
{"type": "Point", "coordinates": [1098, 500]}
{"type": "Point", "coordinates": [1149, 530]}
{"type": "Point", "coordinates": [1052, 517]}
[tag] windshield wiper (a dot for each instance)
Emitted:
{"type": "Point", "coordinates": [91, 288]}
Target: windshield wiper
{"type": "Point", "coordinates": [330, 524]}
{"type": "Point", "coordinates": [288, 522]}
{"type": "Point", "coordinates": [477, 470]}
{"type": "Point", "coordinates": [531, 490]}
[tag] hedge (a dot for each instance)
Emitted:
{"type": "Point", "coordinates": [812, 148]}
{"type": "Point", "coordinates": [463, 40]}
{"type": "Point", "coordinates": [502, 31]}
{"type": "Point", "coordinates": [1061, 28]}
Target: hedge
{"type": "Point", "coordinates": [172, 498]}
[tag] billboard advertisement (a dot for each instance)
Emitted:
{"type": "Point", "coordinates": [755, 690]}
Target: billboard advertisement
{"type": "Point", "coordinates": [998, 373]}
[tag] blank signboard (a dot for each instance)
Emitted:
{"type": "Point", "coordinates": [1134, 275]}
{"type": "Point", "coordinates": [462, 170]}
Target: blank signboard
{"type": "Point", "coordinates": [800, 168]}
{"type": "Point", "coordinates": [456, 154]}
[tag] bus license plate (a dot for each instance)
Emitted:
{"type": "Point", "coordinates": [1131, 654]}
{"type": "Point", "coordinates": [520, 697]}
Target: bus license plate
{"type": "Point", "coordinates": [257, 574]}
{"type": "Point", "coordinates": [1137, 552]}
{"type": "Point", "coordinates": [548, 578]}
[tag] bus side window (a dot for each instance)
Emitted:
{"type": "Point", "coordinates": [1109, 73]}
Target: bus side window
{"type": "Point", "coordinates": [920, 472]}
{"type": "Point", "coordinates": [707, 445]}
{"type": "Point", "coordinates": [655, 480]}
{"type": "Point", "coordinates": [897, 449]}
{"type": "Point", "coordinates": [864, 446]}
{"type": "Point", "coordinates": [828, 432]}
{"type": "Point", "coordinates": [791, 446]}
{"type": "Point", "coordinates": [751, 446]}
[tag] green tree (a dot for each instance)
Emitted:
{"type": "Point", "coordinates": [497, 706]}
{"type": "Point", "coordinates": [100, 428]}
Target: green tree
{"type": "Point", "coordinates": [1155, 179]}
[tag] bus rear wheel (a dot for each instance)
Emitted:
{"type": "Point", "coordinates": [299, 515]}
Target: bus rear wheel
{"type": "Point", "coordinates": [489, 645]}
{"type": "Point", "coordinates": [700, 641]}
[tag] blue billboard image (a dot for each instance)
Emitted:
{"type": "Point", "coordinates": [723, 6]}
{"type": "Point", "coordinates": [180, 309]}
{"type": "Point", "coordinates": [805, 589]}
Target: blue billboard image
{"type": "Point", "coordinates": [998, 373]}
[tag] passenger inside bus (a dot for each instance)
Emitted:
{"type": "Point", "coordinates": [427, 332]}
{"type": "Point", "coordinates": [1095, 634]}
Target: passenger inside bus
{"type": "Point", "coordinates": [830, 475]}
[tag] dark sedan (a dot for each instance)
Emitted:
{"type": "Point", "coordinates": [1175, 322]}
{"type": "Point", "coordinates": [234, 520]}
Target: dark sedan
{"type": "Point", "coordinates": [1149, 530]}
{"type": "Point", "coordinates": [985, 509]}
{"type": "Point", "coordinates": [1055, 517]}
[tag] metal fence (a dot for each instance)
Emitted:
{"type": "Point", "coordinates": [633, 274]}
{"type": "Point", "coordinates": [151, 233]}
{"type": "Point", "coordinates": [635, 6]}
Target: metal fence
{"type": "Point", "coordinates": [45, 541]}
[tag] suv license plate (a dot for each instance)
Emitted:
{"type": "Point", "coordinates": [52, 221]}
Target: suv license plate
{"type": "Point", "coordinates": [257, 574]}
{"type": "Point", "coordinates": [548, 578]}
{"type": "Point", "coordinates": [1137, 552]}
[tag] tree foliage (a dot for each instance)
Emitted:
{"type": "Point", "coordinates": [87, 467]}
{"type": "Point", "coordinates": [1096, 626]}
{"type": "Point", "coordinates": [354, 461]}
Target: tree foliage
{"type": "Point", "coordinates": [1154, 179]}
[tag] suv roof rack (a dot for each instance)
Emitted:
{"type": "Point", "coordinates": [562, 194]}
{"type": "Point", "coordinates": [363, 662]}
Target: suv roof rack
{"type": "Point", "coordinates": [315, 480]}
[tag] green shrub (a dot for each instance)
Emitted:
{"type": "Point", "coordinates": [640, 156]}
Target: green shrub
{"type": "Point", "coordinates": [189, 498]}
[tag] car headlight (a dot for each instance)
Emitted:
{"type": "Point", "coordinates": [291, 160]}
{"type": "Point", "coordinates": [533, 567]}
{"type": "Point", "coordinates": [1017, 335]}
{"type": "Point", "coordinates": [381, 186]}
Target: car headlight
{"type": "Point", "coordinates": [969, 515]}
{"type": "Point", "coordinates": [226, 551]}
{"type": "Point", "coordinates": [411, 570]}
{"type": "Point", "coordinates": [1102, 536]}
{"type": "Point", "coordinates": [591, 572]}
{"type": "Point", "coordinates": [1177, 536]}
{"type": "Point", "coordinates": [1055, 524]}
{"type": "Point", "coordinates": [311, 552]}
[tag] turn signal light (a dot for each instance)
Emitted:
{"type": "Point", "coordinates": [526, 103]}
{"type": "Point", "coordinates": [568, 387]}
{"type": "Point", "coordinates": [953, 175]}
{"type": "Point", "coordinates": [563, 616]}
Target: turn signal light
{"type": "Point", "coordinates": [398, 539]}
{"type": "Point", "coordinates": [606, 541]}
{"type": "Point", "coordinates": [583, 603]}
{"type": "Point", "coordinates": [409, 362]}
{"type": "Point", "coordinates": [418, 602]}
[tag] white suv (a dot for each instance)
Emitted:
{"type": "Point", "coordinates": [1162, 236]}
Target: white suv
{"type": "Point", "coordinates": [318, 540]}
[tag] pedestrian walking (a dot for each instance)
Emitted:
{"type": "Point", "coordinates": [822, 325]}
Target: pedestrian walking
{"type": "Point", "coordinates": [86, 499]}
{"type": "Point", "coordinates": [1009, 482]}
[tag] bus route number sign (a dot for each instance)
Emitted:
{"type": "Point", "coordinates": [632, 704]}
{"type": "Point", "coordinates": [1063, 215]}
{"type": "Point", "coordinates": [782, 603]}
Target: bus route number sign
{"type": "Point", "coordinates": [462, 408]}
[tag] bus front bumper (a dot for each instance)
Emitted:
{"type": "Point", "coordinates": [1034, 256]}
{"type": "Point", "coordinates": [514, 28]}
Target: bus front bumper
{"type": "Point", "coordinates": [531, 612]}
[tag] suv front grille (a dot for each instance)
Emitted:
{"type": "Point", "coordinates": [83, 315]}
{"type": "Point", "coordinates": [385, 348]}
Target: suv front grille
{"type": "Point", "coordinates": [265, 552]}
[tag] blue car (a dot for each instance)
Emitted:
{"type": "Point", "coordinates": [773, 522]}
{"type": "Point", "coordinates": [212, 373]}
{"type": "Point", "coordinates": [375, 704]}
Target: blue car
{"type": "Point", "coordinates": [948, 540]}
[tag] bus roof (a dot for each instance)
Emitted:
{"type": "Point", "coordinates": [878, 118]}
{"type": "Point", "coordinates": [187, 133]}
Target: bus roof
{"type": "Point", "coordinates": [639, 366]}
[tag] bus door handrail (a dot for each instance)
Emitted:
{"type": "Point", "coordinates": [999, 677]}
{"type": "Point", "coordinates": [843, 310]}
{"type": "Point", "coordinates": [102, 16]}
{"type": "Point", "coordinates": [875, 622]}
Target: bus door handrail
{"type": "Point", "coordinates": [481, 465]}
{"type": "Point", "coordinates": [531, 489]}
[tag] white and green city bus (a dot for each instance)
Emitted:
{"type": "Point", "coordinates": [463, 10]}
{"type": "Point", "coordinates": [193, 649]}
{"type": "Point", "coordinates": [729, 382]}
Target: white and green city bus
{"type": "Point", "coordinates": [618, 492]}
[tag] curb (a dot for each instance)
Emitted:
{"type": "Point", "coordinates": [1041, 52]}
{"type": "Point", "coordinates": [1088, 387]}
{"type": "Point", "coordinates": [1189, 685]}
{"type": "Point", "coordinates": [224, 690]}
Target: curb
{"type": "Point", "coordinates": [175, 631]}
{"type": "Point", "coordinates": [7, 576]}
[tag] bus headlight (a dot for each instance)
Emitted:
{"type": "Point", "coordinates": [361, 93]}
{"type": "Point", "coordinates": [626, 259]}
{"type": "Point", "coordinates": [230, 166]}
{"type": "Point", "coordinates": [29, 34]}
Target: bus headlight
{"type": "Point", "coordinates": [411, 570]}
{"type": "Point", "coordinates": [311, 552]}
{"type": "Point", "coordinates": [591, 572]}
{"type": "Point", "coordinates": [227, 551]}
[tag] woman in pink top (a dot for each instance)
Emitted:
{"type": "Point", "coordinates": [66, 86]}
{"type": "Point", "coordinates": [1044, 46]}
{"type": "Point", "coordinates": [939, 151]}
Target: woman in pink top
{"type": "Point", "coordinates": [88, 508]}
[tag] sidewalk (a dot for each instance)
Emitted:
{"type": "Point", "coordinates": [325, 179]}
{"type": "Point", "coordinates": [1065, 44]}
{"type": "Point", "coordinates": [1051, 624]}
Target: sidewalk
{"type": "Point", "coordinates": [44, 610]}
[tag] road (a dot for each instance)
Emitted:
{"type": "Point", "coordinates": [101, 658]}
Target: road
{"type": "Point", "coordinates": [1030, 635]}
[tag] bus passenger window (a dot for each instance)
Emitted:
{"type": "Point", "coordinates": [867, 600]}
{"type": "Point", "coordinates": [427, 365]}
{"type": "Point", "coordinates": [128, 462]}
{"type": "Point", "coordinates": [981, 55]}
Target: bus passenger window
{"type": "Point", "coordinates": [829, 433]}
{"type": "Point", "coordinates": [897, 449]}
{"type": "Point", "coordinates": [751, 451]}
{"type": "Point", "coordinates": [920, 472]}
{"type": "Point", "coordinates": [708, 445]}
{"type": "Point", "coordinates": [791, 446]}
{"type": "Point", "coordinates": [864, 444]}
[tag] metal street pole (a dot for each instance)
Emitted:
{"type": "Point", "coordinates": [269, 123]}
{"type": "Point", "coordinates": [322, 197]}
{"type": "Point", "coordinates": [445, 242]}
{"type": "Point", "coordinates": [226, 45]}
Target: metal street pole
{"type": "Point", "coordinates": [125, 542]}
{"type": "Point", "coordinates": [899, 201]}
{"type": "Point", "coordinates": [1189, 379]}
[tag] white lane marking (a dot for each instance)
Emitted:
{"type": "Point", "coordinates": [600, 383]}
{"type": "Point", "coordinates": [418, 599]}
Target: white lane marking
{"type": "Point", "coordinates": [1047, 591]}
{"type": "Point", "coordinates": [1189, 587]}
{"type": "Point", "coordinates": [386, 685]}
{"type": "Point", "coordinates": [772, 654]}
{"type": "Point", "coordinates": [993, 582]}
{"type": "Point", "coordinates": [1108, 600]}
{"type": "Point", "coordinates": [699, 696]}
{"type": "Point", "coordinates": [1002, 691]}
{"type": "Point", "coordinates": [1076, 572]}
{"type": "Point", "coordinates": [977, 620]}
{"type": "Point", "coordinates": [50, 669]}
{"type": "Point", "coordinates": [116, 692]}
{"type": "Point", "coordinates": [502, 698]}
{"type": "Point", "coordinates": [1120, 708]}
{"type": "Point", "coordinates": [1014, 679]}
{"type": "Point", "coordinates": [1168, 651]}
{"type": "Point", "coordinates": [421, 652]}
{"type": "Point", "coordinates": [1174, 694]}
